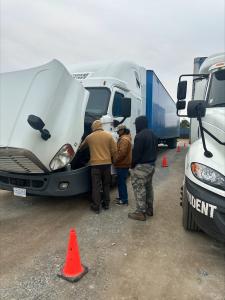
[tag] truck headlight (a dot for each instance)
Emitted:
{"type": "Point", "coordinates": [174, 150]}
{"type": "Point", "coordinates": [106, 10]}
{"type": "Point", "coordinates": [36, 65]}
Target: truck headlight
{"type": "Point", "coordinates": [62, 157]}
{"type": "Point", "coordinates": [208, 175]}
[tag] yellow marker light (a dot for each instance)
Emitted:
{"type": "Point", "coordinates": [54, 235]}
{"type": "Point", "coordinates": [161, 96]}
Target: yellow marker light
{"type": "Point", "coordinates": [194, 168]}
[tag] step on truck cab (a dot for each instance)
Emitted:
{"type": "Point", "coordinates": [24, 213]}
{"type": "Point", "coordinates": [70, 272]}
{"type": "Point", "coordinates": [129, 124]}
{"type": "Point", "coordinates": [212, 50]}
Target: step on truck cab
{"type": "Point", "coordinates": [203, 191]}
{"type": "Point", "coordinates": [47, 111]}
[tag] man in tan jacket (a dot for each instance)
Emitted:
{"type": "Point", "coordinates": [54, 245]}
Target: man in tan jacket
{"type": "Point", "coordinates": [103, 151]}
{"type": "Point", "coordinates": [123, 162]}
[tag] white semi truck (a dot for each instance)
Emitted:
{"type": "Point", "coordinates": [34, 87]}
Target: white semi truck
{"type": "Point", "coordinates": [46, 111]}
{"type": "Point", "coordinates": [203, 191]}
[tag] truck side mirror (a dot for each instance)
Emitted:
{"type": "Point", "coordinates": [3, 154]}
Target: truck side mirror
{"type": "Point", "coordinates": [35, 122]}
{"type": "Point", "coordinates": [181, 90]}
{"type": "Point", "coordinates": [181, 105]}
{"type": "Point", "coordinates": [196, 109]}
{"type": "Point", "coordinates": [122, 107]}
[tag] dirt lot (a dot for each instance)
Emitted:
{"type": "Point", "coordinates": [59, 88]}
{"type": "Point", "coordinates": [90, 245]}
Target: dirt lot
{"type": "Point", "coordinates": [128, 259]}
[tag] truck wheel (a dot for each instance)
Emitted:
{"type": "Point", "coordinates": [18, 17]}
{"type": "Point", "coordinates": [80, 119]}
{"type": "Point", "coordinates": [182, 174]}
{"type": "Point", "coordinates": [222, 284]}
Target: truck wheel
{"type": "Point", "coordinates": [188, 220]}
{"type": "Point", "coordinates": [172, 143]}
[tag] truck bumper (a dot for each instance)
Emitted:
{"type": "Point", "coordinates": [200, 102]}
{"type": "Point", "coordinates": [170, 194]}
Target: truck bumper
{"type": "Point", "coordinates": [77, 182]}
{"type": "Point", "coordinates": [208, 210]}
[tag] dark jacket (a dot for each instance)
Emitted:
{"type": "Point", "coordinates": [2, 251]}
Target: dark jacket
{"type": "Point", "coordinates": [145, 143]}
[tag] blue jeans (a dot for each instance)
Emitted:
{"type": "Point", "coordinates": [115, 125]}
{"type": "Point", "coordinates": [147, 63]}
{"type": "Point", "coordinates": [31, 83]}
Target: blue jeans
{"type": "Point", "coordinates": [122, 174]}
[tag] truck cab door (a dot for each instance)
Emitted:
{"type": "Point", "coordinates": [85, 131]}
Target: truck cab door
{"type": "Point", "coordinates": [135, 108]}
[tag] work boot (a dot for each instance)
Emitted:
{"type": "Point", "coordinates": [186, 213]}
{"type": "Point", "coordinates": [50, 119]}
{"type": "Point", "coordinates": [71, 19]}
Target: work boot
{"type": "Point", "coordinates": [137, 215]}
{"type": "Point", "coordinates": [149, 212]}
{"type": "Point", "coordinates": [95, 209]}
{"type": "Point", "coordinates": [105, 205]}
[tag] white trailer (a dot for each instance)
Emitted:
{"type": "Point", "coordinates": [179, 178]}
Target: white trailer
{"type": "Point", "coordinates": [203, 191]}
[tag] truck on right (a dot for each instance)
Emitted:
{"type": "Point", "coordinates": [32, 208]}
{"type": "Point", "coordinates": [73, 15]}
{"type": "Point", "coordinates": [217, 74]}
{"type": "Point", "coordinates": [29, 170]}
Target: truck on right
{"type": "Point", "coordinates": [203, 190]}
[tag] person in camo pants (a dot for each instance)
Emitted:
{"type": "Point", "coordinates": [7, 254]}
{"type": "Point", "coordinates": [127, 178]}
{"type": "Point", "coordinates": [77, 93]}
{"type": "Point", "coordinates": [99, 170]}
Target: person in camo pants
{"type": "Point", "coordinates": [143, 162]}
{"type": "Point", "coordinates": [141, 179]}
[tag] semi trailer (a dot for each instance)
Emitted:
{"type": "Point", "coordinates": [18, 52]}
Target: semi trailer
{"type": "Point", "coordinates": [47, 111]}
{"type": "Point", "coordinates": [203, 190]}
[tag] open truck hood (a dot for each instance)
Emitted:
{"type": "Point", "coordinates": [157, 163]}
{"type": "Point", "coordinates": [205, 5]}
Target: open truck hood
{"type": "Point", "coordinates": [50, 93]}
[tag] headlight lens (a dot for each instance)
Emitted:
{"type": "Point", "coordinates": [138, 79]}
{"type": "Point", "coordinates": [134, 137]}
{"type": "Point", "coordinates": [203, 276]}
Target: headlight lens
{"type": "Point", "coordinates": [208, 175]}
{"type": "Point", "coordinates": [62, 157]}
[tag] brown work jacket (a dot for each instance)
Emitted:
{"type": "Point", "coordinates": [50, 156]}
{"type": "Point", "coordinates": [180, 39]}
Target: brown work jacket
{"type": "Point", "coordinates": [102, 147]}
{"type": "Point", "coordinates": [124, 152]}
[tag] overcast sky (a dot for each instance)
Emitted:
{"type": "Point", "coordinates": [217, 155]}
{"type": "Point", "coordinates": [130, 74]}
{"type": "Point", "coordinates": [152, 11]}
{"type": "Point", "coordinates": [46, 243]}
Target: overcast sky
{"type": "Point", "coordinates": [163, 35]}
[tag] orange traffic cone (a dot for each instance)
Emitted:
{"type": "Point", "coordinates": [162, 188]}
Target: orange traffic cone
{"type": "Point", "coordinates": [164, 161]}
{"type": "Point", "coordinates": [73, 270]}
{"type": "Point", "coordinates": [178, 148]}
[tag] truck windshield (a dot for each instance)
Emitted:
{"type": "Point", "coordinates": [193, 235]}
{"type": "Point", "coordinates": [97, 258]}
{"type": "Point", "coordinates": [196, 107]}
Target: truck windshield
{"type": "Point", "coordinates": [98, 101]}
{"type": "Point", "coordinates": [216, 94]}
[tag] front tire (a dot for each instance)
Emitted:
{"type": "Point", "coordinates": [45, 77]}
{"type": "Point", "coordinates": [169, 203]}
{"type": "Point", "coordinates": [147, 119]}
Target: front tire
{"type": "Point", "coordinates": [188, 220]}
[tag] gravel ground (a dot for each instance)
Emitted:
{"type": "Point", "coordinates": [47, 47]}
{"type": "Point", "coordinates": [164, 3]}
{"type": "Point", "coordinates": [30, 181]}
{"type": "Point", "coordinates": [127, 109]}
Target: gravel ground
{"type": "Point", "coordinates": [127, 259]}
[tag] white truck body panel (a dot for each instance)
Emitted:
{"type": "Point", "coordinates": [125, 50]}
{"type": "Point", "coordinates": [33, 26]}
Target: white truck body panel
{"type": "Point", "coordinates": [120, 70]}
{"type": "Point", "coordinates": [44, 91]}
{"type": "Point", "coordinates": [214, 122]}
{"type": "Point", "coordinates": [200, 93]}
{"type": "Point", "coordinates": [203, 192]}
{"type": "Point", "coordinates": [217, 162]}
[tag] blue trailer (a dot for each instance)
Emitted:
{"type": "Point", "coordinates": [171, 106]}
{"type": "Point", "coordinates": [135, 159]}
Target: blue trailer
{"type": "Point", "coordinates": [161, 111]}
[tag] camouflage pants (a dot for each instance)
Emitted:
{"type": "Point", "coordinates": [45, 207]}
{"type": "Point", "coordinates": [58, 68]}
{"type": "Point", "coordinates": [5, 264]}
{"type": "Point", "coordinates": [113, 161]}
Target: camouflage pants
{"type": "Point", "coordinates": [141, 179]}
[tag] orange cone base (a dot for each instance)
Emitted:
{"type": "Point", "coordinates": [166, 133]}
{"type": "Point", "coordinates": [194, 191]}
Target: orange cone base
{"type": "Point", "coordinates": [73, 278]}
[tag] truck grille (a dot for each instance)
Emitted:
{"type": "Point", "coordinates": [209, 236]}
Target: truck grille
{"type": "Point", "coordinates": [19, 161]}
{"type": "Point", "coordinates": [20, 182]}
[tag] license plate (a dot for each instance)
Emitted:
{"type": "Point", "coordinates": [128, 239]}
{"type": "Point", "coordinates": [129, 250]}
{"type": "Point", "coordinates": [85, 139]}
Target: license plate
{"type": "Point", "coordinates": [19, 192]}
